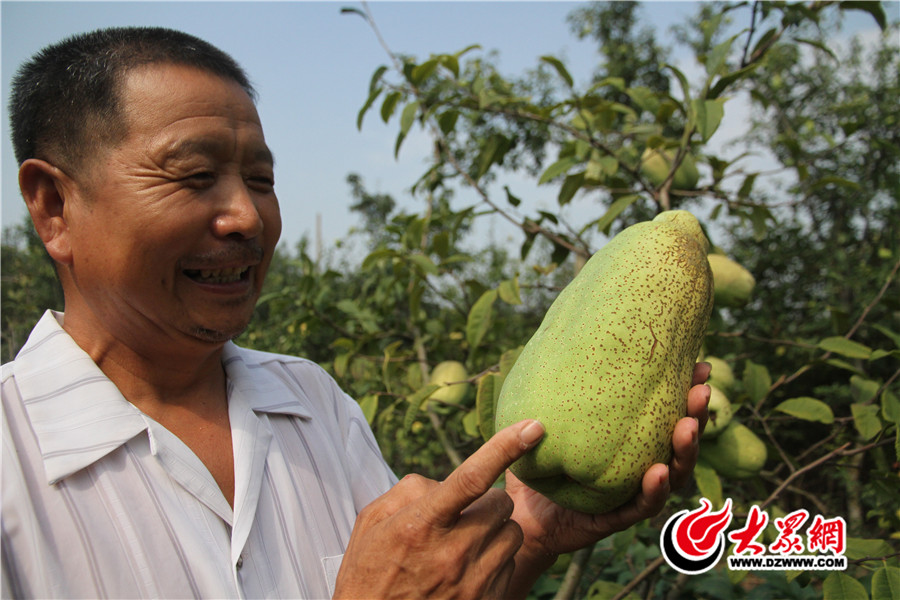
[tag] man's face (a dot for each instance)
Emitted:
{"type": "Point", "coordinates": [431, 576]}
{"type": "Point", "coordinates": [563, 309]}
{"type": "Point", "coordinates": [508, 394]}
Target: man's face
{"type": "Point", "coordinates": [177, 224]}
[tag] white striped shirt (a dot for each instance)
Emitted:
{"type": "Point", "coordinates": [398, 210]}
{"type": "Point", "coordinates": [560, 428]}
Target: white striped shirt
{"type": "Point", "coordinates": [99, 500]}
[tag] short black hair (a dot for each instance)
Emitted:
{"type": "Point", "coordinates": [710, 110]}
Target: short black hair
{"type": "Point", "coordinates": [65, 100]}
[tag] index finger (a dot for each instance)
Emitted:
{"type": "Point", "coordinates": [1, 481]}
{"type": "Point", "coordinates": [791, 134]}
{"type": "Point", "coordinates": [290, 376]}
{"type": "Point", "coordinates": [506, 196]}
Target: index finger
{"type": "Point", "coordinates": [475, 476]}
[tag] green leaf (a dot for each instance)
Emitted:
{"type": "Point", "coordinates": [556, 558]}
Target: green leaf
{"type": "Point", "coordinates": [369, 406]}
{"type": "Point", "coordinates": [838, 586]}
{"type": "Point", "coordinates": [890, 406]}
{"type": "Point", "coordinates": [709, 116]}
{"type": "Point", "coordinates": [377, 256]}
{"type": "Point", "coordinates": [408, 116]}
{"type": "Point", "coordinates": [340, 364]}
{"type": "Point", "coordinates": [863, 389]}
{"type": "Point", "coordinates": [479, 318]}
{"type": "Point", "coordinates": [645, 98]}
{"type": "Point", "coordinates": [422, 72]}
{"type": "Point", "coordinates": [818, 45]}
{"type": "Point", "coordinates": [417, 403]}
{"type": "Point", "coordinates": [507, 360]}
{"type": "Point", "coordinates": [808, 409]}
{"type": "Point", "coordinates": [415, 297]}
{"type": "Point", "coordinates": [560, 69]}
{"type": "Point", "coordinates": [833, 180]}
{"type": "Point", "coordinates": [470, 423]}
{"type": "Point", "coordinates": [386, 363]}
{"type": "Point", "coordinates": [509, 291]}
{"type": "Point", "coordinates": [715, 59]}
{"type": "Point", "coordinates": [758, 217]}
{"type": "Point", "coordinates": [467, 49]}
{"type": "Point", "coordinates": [747, 186]}
{"type": "Point", "coordinates": [485, 401]}
{"type": "Point", "coordinates": [865, 420]}
{"type": "Point", "coordinates": [400, 137]}
{"type": "Point", "coordinates": [708, 484]}
{"type": "Point", "coordinates": [886, 584]}
{"type": "Point", "coordinates": [512, 199]}
{"type": "Point", "coordinates": [570, 187]}
{"type": "Point", "coordinates": [373, 95]}
{"type": "Point", "coordinates": [757, 381]}
{"type": "Point", "coordinates": [447, 121]}
{"type": "Point", "coordinates": [376, 78]}
{"type": "Point", "coordinates": [845, 347]}
{"type": "Point", "coordinates": [761, 46]}
{"type": "Point", "coordinates": [493, 151]}
{"type": "Point", "coordinates": [350, 10]}
{"type": "Point", "coordinates": [424, 263]}
{"type": "Point", "coordinates": [451, 63]}
{"type": "Point", "coordinates": [726, 80]}
{"type": "Point", "coordinates": [615, 209]}
{"type": "Point", "coordinates": [558, 168]}
{"type": "Point", "coordinates": [685, 88]}
{"type": "Point", "coordinates": [389, 105]}
{"type": "Point", "coordinates": [895, 337]}
{"type": "Point", "coordinates": [858, 548]}
{"type": "Point", "coordinates": [873, 8]}
{"type": "Point", "coordinates": [842, 364]}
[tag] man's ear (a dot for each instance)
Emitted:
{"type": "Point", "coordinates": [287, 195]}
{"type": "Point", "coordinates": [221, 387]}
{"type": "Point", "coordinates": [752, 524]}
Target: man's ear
{"type": "Point", "coordinates": [46, 189]}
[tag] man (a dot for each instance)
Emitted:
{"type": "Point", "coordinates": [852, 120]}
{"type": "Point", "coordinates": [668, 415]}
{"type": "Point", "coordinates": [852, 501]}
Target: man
{"type": "Point", "coordinates": [144, 454]}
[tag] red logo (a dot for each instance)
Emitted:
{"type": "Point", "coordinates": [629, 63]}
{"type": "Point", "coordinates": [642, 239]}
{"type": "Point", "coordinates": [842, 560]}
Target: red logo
{"type": "Point", "coordinates": [692, 542]}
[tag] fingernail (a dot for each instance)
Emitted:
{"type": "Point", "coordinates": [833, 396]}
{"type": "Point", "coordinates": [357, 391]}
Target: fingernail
{"type": "Point", "coordinates": [664, 479]}
{"type": "Point", "coordinates": [531, 433]}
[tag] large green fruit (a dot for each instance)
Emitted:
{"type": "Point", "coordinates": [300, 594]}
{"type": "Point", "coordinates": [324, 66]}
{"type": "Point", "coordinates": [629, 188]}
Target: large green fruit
{"type": "Point", "coordinates": [609, 368]}
{"type": "Point", "coordinates": [720, 412]}
{"type": "Point", "coordinates": [452, 375]}
{"type": "Point", "coordinates": [721, 375]}
{"type": "Point", "coordinates": [656, 164]}
{"type": "Point", "coordinates": [736, 452]}
{"type": "Point", "coordinates": [733, 283]}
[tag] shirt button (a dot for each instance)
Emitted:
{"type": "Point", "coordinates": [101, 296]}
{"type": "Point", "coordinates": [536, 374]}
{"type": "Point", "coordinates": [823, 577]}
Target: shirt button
{"type": "Point", "coordinates": [240, 562]}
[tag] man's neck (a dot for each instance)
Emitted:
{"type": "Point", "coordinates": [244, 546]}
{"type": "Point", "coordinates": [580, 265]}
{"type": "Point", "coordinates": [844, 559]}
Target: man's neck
{"type": "Point", "coordinates": [184, 391]}
{"type": "Point", "coordinates": [150, 372]}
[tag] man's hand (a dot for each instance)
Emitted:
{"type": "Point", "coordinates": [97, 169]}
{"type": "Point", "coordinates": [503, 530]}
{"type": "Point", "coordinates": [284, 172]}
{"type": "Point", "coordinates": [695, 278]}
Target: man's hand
{"type": "Point", "coordinates": [449, 539]}
{"type": "Point", "coordinates": [550, 530]}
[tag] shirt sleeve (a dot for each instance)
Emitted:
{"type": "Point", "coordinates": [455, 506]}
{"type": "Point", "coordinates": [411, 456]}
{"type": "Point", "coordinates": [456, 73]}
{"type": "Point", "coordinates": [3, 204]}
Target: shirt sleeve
{"type": "Point", "coordinates": [365, 457]}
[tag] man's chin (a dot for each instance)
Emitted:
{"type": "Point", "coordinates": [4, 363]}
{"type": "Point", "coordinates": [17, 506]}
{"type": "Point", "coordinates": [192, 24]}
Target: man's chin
{"type": "Point", "coordinates": [218, 336]}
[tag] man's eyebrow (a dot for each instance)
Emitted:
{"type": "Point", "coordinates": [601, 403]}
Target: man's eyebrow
{"type": "Point", "coordinates": [264, 154]}
{"type": "Point", "coordinates": [207, 146]}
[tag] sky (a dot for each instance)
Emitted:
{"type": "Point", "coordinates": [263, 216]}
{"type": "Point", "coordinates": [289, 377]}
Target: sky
{"type": "Point", "coordinates": [311, 66]}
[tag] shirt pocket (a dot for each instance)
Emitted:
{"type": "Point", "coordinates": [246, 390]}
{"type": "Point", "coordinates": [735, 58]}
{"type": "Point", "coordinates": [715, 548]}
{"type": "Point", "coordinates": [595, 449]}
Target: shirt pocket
{"type": "Point", "coordinates": [331, 564]}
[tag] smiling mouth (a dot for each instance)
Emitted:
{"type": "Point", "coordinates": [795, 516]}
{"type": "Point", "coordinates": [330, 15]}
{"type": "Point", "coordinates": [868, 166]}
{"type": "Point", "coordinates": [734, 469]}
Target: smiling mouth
{"type": "Point", "coordinates": [231, 275]}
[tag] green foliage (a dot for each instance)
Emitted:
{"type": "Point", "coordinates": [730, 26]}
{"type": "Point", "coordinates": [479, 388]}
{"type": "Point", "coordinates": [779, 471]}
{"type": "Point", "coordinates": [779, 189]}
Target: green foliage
{"type": "Point", "coordinates": [29, 286]}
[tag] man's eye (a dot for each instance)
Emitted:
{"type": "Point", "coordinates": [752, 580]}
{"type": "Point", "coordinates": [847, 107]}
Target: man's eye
{"type": "Point", "coordinates": [262, 182]}
{"type": "Point", "coordinates": [200, 179]}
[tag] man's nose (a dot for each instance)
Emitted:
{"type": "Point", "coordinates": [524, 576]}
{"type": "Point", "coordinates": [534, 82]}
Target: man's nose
{"type": "Point", "coordinates": [238, 215]}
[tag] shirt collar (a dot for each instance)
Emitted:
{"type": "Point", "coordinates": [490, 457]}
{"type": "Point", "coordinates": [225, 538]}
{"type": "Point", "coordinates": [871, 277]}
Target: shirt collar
{"type": "Point", "coordinates": [79, 415]}
{"type": "Point", "coordinates": [263, 382]}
